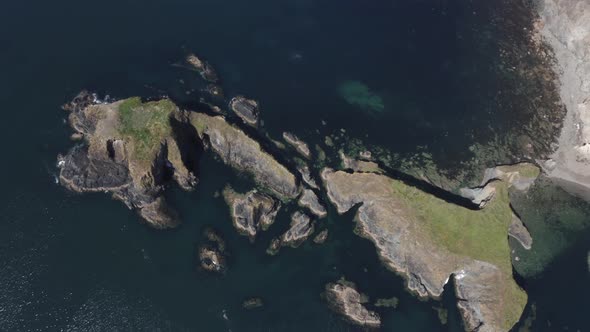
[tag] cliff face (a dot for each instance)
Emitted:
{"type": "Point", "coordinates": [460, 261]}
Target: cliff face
{"type": "Point", "coordinates": [566, 28]}
{"type": "Point", "coordinates": [130, 151]}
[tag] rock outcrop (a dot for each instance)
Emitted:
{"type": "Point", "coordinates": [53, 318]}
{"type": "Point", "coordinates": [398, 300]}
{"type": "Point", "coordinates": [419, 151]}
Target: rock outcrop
{"type": "Point", "coordinates": [359, 165]}
{"type": "Point", "coordinates": [311, 201]}
{"type": "Point", "coordinates": [298, 144]}
{"type": "Point", "coordinates": [246, 109]}
{"type": "Point", "coordinates": [520, 233]}
{"type": "Point", "coordinates": [206, 71]}
{"type": "Point", "coordinates": [130, 151]}
{"type": "Point", "coordinates": [344, 299]}
{"type": "Point", "coordinates": [307, 178]}
{"type": "Point", "coordinates": [300, 229]}
{"type": "Point", "coordinates": [245, 154]}
{"type": "Point", "coordinates": [211, 259]}
{"type": "Point", "coordinates": [565, 26]}
{"type": "Point", "coordinates": [252, 211]}
{"type": "Point", "coordinates": [252, 303]}
{"type": "Point", "coordinates": [212, 252]}
{"type": "Point", "coordinates": [519, 176]}
{"type": "Point", "coordinates": [321, 237]}
{"type": "Point", "coordinates": [428, 240]}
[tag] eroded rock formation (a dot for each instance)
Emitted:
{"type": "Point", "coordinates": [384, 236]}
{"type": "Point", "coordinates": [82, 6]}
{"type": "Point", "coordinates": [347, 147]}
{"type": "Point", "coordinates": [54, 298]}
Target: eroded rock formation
{"type": "Point", "coordinates": [298, 144]}
{"type": "Point", "coordinates": [130, 151]}
{"type": "Point", "coordinates": [243, 153]}
{"type": "Point", "coordinates": [252, 211]}
{"type": "Point", "coordinates": [343, 298]}
{"type": "Point", "coordinates": [301, 228]}
{"type": "Point", "coordinates": [311, 201]}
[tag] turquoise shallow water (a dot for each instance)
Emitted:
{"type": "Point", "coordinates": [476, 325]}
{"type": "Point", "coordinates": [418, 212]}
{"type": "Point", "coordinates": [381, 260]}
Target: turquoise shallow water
{"type": "Point", "coordinates": [84, 262]}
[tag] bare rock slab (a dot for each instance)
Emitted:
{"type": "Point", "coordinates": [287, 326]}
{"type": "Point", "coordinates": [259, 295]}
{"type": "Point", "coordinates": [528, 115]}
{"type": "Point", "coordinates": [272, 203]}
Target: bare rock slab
{"type": "Point", "coordinates": [252, 211]}
{"type": "Point", "coordinates": [298, 144]}
{"type": "Point", "coordinates": [129, 150]}
{"type": "Point", "coordinates": [310, 200]}
{"type": "Point", "coordinates": [301, 228]}
{"type": "Point", "coordinates": [245, 154]}
{"type": "Point", "coordinates": [344, 299]}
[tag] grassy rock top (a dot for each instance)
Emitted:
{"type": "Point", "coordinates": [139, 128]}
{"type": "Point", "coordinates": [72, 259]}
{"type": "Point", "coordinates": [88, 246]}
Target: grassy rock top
{"type": "Point", "coordinates": [130, 150]}
{"type": "Point", "coordinates": [145, 125]}
{"type": "Point", "coordinates": [428, 240]}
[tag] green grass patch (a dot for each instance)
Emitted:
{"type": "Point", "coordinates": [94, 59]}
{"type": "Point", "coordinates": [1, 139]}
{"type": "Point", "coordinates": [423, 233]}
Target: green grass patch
{"type": "Point", "coordinates": [145, 125]}
{"type": "Point", "coordinates": [478, 234]}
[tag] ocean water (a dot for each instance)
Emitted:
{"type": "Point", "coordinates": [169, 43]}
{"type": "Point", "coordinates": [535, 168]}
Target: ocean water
{"type": "Point", "coordinates": [84, 262]}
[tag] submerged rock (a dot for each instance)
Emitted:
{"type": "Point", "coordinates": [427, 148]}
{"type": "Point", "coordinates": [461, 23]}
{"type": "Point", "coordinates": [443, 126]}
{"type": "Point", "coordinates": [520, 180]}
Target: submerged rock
{"type": "Point", "coordinates": [252, 303]}
{"type": "Point", "coordinates": [428, 240]}
{"type": "Point", "coordinates": [203, 67]}
{"type": "Point", "coordinates": [358, 94]}
{"type": "Point", "coordinates": [246, 109]}
{"type": "Point", "coordinates": [274, 247]}
{"type": "Point", "coordinates": [301, 228]}
{"type": "Point", "coordinates": [252, 211]}
{"type": "Point", "coordinates": [298, 144]}
{"type": "Point", "coordinates": [389, 303]}
{"type": "Point", "coordinates": [243, 153]}
{"type": "Point", "coordinates": [215, 90]}
{"type": "Point", "coordinates": [565, 26]}
{"type": "Point", "coordinates": [310, 200]}
{"type": "Point", "coordinates": [130, 151]}
{"type": "Point", "coordinates": [321, 237]}
{"type": "Point", "coordinates": [344, 299]}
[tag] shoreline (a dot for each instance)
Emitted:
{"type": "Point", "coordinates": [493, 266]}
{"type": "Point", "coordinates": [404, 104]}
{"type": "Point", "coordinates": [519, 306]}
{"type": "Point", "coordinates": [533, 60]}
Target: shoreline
{"type": "Point", "coordinates": [566, 29]}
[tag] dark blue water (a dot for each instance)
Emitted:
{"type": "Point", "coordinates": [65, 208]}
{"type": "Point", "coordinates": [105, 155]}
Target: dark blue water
{"type": "Point", "coordinates": [84, 262]}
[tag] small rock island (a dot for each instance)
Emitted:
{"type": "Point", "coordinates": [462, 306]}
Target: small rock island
{"type": "Point", "coordinates": [131, 149]}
